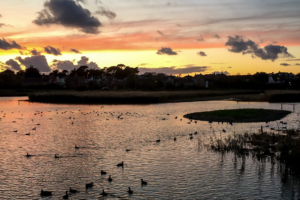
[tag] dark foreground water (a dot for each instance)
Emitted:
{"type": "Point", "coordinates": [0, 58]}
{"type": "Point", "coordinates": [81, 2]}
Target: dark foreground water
{"type": "Point", "coordinates": [174, 170]}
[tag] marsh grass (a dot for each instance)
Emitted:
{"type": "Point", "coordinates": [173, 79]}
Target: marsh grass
{"type": "Point", "coordinates": [131, 97]}
{"type": "Point", "coordinates": [283, 147]}
{"type": "Point", "coordinates": [283, 96]}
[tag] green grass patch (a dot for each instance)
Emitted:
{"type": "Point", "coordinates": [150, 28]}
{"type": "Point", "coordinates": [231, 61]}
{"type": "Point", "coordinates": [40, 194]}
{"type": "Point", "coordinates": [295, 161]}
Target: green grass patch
{"type": "Point", "coordinates": [239, 115]}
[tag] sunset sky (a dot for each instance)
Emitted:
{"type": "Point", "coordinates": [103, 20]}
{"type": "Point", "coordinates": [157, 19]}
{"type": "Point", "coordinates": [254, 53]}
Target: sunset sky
{"type": "Point", "coordinates": [167, 36]}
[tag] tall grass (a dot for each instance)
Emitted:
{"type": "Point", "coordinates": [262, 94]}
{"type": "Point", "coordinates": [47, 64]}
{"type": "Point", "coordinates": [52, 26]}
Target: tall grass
{"type": "Point", "coordinates": [129, 97]}
{"type": "Point", "coordinates": [283, 147]}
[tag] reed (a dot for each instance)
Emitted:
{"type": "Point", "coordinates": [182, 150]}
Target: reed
{"type": "Point", "coordinates": [130, 97]}
{"type": "Point", "coordinates": [283, 147]}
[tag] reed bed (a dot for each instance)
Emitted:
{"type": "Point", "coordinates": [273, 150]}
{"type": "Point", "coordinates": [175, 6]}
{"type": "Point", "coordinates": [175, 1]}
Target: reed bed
{"type": "Point", "coordinates": [283, 147]}
{"type": "Point", "coordinates": [130, 97]}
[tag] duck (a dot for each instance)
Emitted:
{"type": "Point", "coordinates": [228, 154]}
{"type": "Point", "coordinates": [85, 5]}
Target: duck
{"type": "Point", "coordinates": [76, 147]}
{"type": "Point", "coordinates": [129, 191]}
{"type": "Point", "coordinates": [15, 131]}
{"type": "Point", "coordinates": [56, 156]}
{"type": "Point", "coordinates": [175, 139]}
{"type": "Point", "coordinates": [121, 164]}
{"type": "Point", "coordinates": [27, 133]}
{"type": "Point", "coordinates": [196, 133]}
{"type": "Point", "coordinates": [34, 129]}
{"type": "Point", "coordinates": [46, 193]}
{"type": "Point", "coordinates": [143, 182]}
{"type": "Point", "coordinates": [103, 193]}
{"type": "Point", "coordinates": [109, 178]}
{"type": "Point", "coordinates": [191, 137]}
{"type": "Point", "coordinates": [28, 155]}
{"type": "Point", "coordinates": [89, 185]}
{"type": "Point", "coordinates": [66, 196]}
{"type": "Point", "coordinates": [103, 172]}
{"type": "Point", "coordinates": [158, 140]}
{"type": "Point", "coordinates": [72, 190]}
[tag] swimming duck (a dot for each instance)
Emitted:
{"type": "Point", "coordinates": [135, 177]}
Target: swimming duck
{"type": "Point", "coordinates": [109, 178]}
{"type": "Point", "coordinates": [103, 193]}
{"type": "Point", "coordinates": [72, 190]}
{"type": "Point", "coordinates": [76, 147]}
{"type": "Point", "coordinates": [121, 164]}
{"type": "Point", "coordinates": [143, 182]}
{"type": "Point", "coordinates": [158, 140]}
{"type": "Point", "coordinates": [89, 185]}
{"type": "Point", "coordinates": [129, 191]}
{"type": "Point", "coordinates": [66, 196]}
{"type": "Point", "coordinates": [103, 172]}
{"type": "Point", "coordinates": [46, 193]}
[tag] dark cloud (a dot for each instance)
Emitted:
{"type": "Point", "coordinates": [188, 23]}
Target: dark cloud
{"type": "Point", "coordinates": [52, 50]}
{"type": "Point", "coordinates": [39, 62]}
{"type": "Point", "coordinates": [105, 12]}
{"type": "Point", "coordinates": [200, 39]}
{"type": "Point", "coordinates": [160, 33]}
{"type": "Point", "coordinates": [270, 52]}
{"type": "Point", "coordinates": [293, 59]}
{"type": "Point", "coordinates": [68, 13]}
{"type": "Point", "coordinates": [76, 51]}
{"type": "Point", "coordinates": [69, 65]}
{"type": "Point", "coordinates": [285, 64]}
{"type": "Point", "coordinates": [5, 45]}
{"type": "Point", "coordinates": [34, 52]}
{"type": "Point", "coordinates": [13, 64]}
{"type": "Point", "coordinates": [201, 53]}
{"type": "Point", "coordinates": [166, 50]}
{"type": "Point", "coordinates": [216, 36]}
{"type": "Point", "coordinates": [175, 70]}
{"type": "Point", "coordinates": [238, 45]}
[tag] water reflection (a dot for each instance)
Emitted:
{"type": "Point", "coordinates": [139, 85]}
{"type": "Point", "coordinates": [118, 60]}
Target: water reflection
{"type": "Point", "coordinates": [181, 169]}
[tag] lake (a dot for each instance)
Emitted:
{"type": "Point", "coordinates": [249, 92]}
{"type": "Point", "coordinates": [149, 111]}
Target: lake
{"type": "Point", "coordinates": [181, 169]}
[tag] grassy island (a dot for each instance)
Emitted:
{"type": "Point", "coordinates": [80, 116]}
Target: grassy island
{"type": "Point", "coordinates": [239, 115]}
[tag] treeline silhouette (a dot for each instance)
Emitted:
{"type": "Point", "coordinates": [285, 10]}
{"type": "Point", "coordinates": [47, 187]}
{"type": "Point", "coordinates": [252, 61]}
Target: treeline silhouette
{"type": "Point", "coordinates": [125, 77]}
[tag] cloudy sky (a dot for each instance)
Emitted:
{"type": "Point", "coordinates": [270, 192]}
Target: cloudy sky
{"type": "Point", "coordinates": [169, 36]}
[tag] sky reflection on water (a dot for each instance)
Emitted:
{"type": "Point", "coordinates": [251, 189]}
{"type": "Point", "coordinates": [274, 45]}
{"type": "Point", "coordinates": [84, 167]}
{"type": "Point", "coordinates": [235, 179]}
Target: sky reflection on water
{"type": "Point", "coordinates": [174, 170]}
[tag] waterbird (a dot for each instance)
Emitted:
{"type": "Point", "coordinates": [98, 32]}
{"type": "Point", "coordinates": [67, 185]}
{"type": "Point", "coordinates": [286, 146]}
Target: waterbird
{"type": "Point", "coordinates": [56, 156]}
{"type": "Point", "coordinates": [34, 129]}
{"type": "Point", "coordinates": [129, 191]}
{"type": "Point", "coordinates": [143, 182]}
{"type": "Point", "coordinates": [46, 193]}
{"type": "Point", "coordinates": [76, 147]}
{"type": "Point", "coordinates": [196, 133]}
{"type": "Point", "coordinates": [191, 137]}
{"type": "Point", "coordinates": [66, 196]}
{"type": "Point", "coordinates": [176, 117]}
{"type": "Point", "coordinates": [127, 150]}
{"type": "Point", "coordinates": [15, 131]}
{"type": "Point", "coordinates": [224, 130]}
{"type": "Point", "coordinates": [103, 193]}
{"type": "Point", "coordinates": [175, 139]}
{"type": "Point", "coordinates": [72, 190]}
{"type": "Point", "coordinates": [158, 140]}
{"type": "Point", "coordinates": [109, 178]}
{"type": "Point", "coordinates": [89, 185]}
{"type": "Point", "coordinates": [103, 172]}
{"type": "Point", "coordinates": [28, 155]}
{"type": "Point", "coordinates": [121, 164]}
{"type": "Point", "coordinates": [27, 133]}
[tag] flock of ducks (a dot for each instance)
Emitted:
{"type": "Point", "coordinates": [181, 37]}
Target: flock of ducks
{"type": "Point", "coordinates": [89, 185]}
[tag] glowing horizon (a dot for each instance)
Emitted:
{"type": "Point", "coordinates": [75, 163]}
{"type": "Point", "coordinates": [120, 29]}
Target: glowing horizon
{"type": "Point", "coordinates": [133, 32]}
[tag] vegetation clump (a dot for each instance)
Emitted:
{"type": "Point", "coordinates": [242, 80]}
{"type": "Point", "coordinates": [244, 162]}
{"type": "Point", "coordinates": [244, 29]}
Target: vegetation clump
{"type": "Point", "coordinates": [239, 115]}
{"type": "Point", "coordinates": [283, 147]}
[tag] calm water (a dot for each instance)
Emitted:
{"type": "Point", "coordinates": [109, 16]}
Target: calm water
{"type": "Point", "coordinates": [174, 170]}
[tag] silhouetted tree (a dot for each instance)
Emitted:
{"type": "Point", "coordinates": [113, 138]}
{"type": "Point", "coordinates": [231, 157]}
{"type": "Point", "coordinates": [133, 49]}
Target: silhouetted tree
{"type": "Point", "coordinates": [32, 72]}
